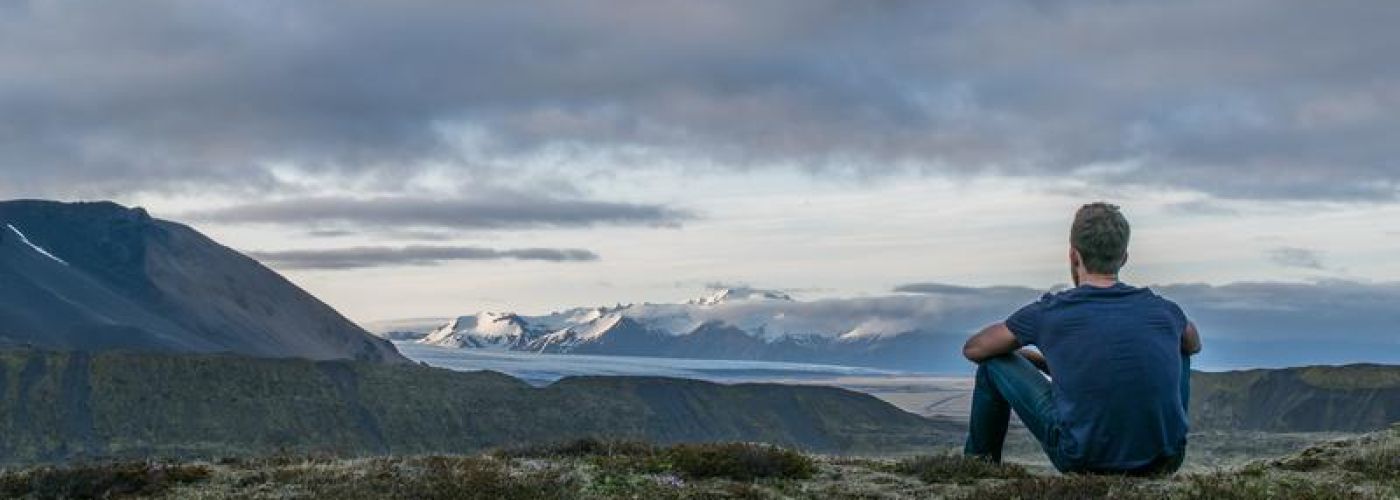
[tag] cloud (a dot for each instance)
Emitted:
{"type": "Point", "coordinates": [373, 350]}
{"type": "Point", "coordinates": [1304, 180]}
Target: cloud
{"type": "Point", "coordinates": [366, 257]}
{"type": "Point", "coordinates": [1218, 97]}
{"type": "Point", "coordinates": [508, 212]}
{"type": "Point", "coordinates": [1296, 257]}
{"type": "Point", "coordinates": [1261, 312]}
{"type": "Point", "coordinates": [957, 290]}
{"type": "Point", "coordinates": [1201, 207]}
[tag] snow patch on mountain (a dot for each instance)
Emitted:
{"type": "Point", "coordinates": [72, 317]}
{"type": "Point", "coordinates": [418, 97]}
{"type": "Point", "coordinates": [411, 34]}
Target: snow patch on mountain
{"type": "Point", "coordinates": [486, 330]}
{"type": "Point", "coordinates": [24, 239]}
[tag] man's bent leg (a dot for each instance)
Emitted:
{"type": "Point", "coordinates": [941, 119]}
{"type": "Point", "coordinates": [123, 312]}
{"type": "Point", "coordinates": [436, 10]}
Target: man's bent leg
{"type": "Point", "coordinates": [1174, 463]}
{"type": "Point", "coordinates": [1186, 383]}
{"type": "Point", "coordinates": [1005, 383]}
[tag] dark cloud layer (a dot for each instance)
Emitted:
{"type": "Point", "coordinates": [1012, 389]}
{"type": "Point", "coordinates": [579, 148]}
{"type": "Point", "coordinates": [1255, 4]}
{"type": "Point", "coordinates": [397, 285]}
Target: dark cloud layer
{"type": "Point", "coordinates": [365, 257]}
{"type": "Point", "coordinates": [498, 212]}
{"type": "Point", "coordinates": [1240, 98]}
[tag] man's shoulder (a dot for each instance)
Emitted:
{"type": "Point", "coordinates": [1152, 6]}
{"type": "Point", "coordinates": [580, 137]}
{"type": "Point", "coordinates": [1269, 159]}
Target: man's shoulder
{"type": "Point", "coordinates": [1088, 295]}
{"type": "Point", "coordinates": [1159, 298]}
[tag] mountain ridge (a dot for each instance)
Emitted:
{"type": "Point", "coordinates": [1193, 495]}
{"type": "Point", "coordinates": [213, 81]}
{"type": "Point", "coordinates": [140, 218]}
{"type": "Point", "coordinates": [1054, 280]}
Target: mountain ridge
{"type": "Point", "coordinates": [93, 276]}
{"type": "Point", "coordinates": [1354, 398]}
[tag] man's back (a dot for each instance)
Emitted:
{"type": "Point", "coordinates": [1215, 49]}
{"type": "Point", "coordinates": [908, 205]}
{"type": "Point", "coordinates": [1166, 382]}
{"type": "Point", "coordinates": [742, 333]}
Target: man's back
{"type": "Point", "coordinates": [1115, 358]}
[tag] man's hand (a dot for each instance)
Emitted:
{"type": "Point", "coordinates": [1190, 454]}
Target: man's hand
{"type": "Point", "coordinates": [1190, 340]}
{"type": "Point", "coordinates": [1036, 358]}
{"type": "Point", "coordinates": [989, 343]}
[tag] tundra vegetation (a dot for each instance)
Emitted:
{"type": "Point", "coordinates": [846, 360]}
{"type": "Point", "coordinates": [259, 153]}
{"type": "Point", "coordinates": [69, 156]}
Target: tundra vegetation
{"type": "Point", "coordinates": [1367, 466]}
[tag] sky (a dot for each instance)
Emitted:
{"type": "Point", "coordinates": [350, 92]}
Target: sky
{"type": "Point", "coordinates": [427, 159]}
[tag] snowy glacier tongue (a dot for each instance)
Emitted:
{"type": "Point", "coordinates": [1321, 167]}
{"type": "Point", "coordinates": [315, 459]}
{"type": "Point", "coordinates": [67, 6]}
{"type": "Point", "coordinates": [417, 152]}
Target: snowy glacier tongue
{"type": "Point", "coordinates": [24, 239]}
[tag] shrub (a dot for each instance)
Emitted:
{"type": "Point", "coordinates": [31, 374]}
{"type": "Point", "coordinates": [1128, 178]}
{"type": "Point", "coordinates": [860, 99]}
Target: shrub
{"type": "Point", "coordinates": [957, 469]}
{"type": "Point", "coordinates": [1070, 487]}
{"type": "Point", "coordinates": [739, 461]}
{"type": "Point", "coordinates": [431, 477]}
{"type": "Point", "coordinates": [585, 447]}
{"type": "Point", "coordinates": [1379, 464]}
{"type": "Point", "coordinates": [108, 480]}
{"type": "Point", "coordinates": [1213, 486]}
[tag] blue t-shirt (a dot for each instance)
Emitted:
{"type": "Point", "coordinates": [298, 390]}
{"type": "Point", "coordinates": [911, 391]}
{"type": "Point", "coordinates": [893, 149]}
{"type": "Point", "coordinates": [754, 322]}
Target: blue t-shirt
{"type": "Point", "coordinates": [1115, 364]}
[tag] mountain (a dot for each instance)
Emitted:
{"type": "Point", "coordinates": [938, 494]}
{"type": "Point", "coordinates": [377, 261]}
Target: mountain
{"type": "Point", "coordinates": [896, 332]}
{"type": "Point", "coordinates": [483, 331]}
{"type": "Point", "coordinates": [99, 276]}
{"type": "Point", "coordinates": [1352, 398]}
{"type": "Point", "coordinates": [57, 406]}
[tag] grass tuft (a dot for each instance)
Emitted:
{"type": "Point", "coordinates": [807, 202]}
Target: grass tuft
{"type": "Point", "coordinates": [739, 461]}
{"type": "Point", "coordinates": [956, 469]}
{"type": "Point", "coordinates": [104, 480]}
{"type": "Point", "coordinates": [1069, 487]}
{"type": "Point", "coordinates": [586, 447]}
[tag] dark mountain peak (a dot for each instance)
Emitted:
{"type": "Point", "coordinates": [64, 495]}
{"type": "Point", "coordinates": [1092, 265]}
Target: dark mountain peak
{"type": "Point", "coordinates": [96, 211]}
{"type": "Point", "coordinates": [98, 275]}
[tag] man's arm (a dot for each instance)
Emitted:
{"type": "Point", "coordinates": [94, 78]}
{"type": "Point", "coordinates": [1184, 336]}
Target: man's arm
{"type": "Point", "coordinates": [1036, 358]}
{"type": "Point", "coordinates": [991, 342]}
{"type": "Point", "coordinates": [1190, 340]}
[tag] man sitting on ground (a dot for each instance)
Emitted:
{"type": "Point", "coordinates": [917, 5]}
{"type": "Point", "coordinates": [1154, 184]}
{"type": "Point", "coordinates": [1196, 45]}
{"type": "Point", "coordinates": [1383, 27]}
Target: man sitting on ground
{"type": "Point", "coordinates": [1118, 357]}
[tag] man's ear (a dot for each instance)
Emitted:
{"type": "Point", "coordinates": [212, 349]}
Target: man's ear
{"type": "Point", "coordinates": [1073, 257]}
{"type": "Point", "coordinates": [1125, 259]}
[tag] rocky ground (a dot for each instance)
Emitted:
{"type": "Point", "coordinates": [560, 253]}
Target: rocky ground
{"type": "Point", "coordinates": [1362, 467]}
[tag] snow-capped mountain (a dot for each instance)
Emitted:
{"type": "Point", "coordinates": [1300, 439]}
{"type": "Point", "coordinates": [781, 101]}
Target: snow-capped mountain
{"type": "Point", "coordinates": [740, 323]}
{"type": "Point", "coordinates": [486, 330]}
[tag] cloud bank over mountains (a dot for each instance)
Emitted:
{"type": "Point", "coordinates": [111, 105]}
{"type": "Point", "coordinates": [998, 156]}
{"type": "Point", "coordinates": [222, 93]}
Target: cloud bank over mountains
{"type": "Point", "coordinates": [1243, 324]}
{"type": "Point", "coordinates": [1253, 324]}
{"type": "Point", "coordinates": [1240, 99]}
{"type": "Point", "coordinates": [1261, 311]}
{"type": "Point", "coordinates": [414, 255]}
{"type": "Point", "coordinates": [503, 211]}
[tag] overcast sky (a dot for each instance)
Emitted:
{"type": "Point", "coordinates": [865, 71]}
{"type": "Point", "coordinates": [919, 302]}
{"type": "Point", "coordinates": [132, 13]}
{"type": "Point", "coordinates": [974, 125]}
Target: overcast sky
{"type": "Point", "coordinates": [423, 158]}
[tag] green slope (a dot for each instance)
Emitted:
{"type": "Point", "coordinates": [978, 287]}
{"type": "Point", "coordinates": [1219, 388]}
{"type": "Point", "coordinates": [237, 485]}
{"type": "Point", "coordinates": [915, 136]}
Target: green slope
{"type": "Point", "coordinates": [61, 406]}
{"type": "Point", "coordinates": [1353, 398]}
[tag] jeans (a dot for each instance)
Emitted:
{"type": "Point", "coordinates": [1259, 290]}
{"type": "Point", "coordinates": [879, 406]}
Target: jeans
{"type": "Point", "coordinates": [1010, 382]}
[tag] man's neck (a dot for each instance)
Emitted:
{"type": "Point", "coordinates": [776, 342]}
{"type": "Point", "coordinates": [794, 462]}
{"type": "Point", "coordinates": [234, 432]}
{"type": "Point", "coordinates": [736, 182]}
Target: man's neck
{"type": "Point", "coordinates": [1098, 280]}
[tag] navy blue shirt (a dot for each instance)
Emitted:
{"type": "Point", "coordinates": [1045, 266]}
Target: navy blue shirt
{"type": "Point", "coordinates": [1115, 364]}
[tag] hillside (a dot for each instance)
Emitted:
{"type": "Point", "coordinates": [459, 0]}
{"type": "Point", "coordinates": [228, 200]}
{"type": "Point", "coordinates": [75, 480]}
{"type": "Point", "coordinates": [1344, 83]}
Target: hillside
{"type": "Point", "coordinates": [1354, 398]}
{"type": "Point", "coordinates": [63, 406]}
{"type": "Point", "coordinates": [1366, 467]}
{"type": "Point", "coordinates": [99, 276]}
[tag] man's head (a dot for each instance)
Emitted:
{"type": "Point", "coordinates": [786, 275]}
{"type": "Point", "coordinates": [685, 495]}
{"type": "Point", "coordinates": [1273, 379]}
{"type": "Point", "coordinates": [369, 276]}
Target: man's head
{"type": "Point", "coordinates": [1099, 238]}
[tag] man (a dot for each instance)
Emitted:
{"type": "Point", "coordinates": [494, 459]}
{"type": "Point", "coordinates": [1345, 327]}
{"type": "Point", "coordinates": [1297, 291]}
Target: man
{"type": "Point", "coordinates": [1118, 357]}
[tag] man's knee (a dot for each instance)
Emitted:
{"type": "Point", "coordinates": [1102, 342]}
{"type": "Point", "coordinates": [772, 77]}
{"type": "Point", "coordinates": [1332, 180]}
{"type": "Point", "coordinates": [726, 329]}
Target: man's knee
{"type": "Point", "coordinates": [985, 367]}
{"type": "Point", "coordinates": [1008, 361]}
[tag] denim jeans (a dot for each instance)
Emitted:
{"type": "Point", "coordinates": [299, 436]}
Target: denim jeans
{"type": "Point", "coordinates": [1010, 382]}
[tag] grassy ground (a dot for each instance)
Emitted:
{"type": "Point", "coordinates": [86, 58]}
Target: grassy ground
{"type": "Point", "coordinates": [1363, 467]}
